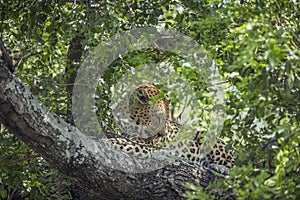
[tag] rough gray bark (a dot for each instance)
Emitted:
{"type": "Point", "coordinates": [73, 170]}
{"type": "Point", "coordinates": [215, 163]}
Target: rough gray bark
{"type": "Point", "coordinates": [79, 157]}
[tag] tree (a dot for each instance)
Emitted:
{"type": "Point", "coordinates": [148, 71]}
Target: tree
{"type": "Point", "coordinates": [255, 45]}
{"type": "Point", "coordinates": [50, 136]}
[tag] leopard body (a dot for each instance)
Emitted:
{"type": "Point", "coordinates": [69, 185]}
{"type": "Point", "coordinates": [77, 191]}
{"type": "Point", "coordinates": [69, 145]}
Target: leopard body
{"type": "Point", "coordinates": [149, 130]}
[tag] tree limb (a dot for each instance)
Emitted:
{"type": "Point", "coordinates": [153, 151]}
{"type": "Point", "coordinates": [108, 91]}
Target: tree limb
{"type": "Point", "coordinates": [6, 57]}
{"type": "Point", "coordinates": [75, 52]}
{"type": "Point", "coordinates": [80, 157]}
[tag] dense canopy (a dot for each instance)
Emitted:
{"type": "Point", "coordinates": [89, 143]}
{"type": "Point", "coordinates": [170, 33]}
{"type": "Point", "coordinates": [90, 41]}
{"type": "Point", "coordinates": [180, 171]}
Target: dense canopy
{"type": "Point", "coordinates": [255, 45]}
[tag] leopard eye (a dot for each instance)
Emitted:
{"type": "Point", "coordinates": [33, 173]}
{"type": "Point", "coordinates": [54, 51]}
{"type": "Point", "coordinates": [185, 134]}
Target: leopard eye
{"type": "Point", "coordinates": [143, 99]}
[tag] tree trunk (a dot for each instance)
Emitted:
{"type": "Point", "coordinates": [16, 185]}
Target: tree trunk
{"type": "Point", "coordinates": [82, 158]}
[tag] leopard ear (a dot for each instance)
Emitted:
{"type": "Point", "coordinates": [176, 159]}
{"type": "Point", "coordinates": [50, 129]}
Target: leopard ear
{"type": "Point", "coordinates": [167, 100]}
{"type": "Point", "coordinates": [199, 136]}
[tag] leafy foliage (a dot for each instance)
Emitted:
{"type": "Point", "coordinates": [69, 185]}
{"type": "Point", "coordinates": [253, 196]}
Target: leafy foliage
{"type": "Point", "coordinates": [255, 44]}
{"type": "Point", "coordinates": [26, 175]}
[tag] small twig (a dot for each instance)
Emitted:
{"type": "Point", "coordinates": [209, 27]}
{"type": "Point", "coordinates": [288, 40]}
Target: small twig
{"type": "Point", "coordinates": [220, 83]}
{"type": "Point", "coordinates": [7, 58]}
{"type": "Point", "coordinates": [15, 189]}
{"type": "Point", "coordinates": [185, 105]}
{"type": "Point", "coordinates": [14, 154]}
{"type": "Point", "coordinates": [23, 58]}
{"type": "Point", "coordinates": [14, 162]}
{"type": "Point", "coordinates": [61, 113]}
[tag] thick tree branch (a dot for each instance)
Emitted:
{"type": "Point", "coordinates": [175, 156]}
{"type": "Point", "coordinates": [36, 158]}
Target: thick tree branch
{"type": "Point", "coordinates": [80, 157]}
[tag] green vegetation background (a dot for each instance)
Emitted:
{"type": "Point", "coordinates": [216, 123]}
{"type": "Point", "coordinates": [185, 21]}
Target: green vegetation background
{"type": "Point", "coordinates": [256, 45]}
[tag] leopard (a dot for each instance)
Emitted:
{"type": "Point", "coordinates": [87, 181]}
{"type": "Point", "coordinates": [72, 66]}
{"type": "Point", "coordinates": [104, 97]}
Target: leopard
{"type": "Point", "coordinates": [148, 130]}
{"type": "Point", "coordinates": [140, 116]}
